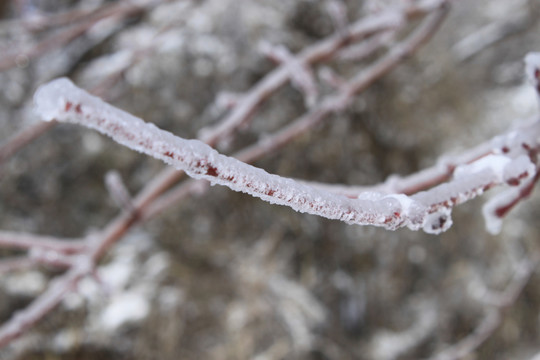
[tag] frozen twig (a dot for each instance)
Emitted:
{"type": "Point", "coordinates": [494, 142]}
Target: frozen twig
{"type": "Point", "coordinates": [62, 101]}
{"type": "Point", "coordinates": [429, 210]}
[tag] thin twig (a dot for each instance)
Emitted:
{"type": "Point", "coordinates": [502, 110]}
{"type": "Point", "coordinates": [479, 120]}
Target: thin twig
{"type": "Point", "coordinates": [26, 241]}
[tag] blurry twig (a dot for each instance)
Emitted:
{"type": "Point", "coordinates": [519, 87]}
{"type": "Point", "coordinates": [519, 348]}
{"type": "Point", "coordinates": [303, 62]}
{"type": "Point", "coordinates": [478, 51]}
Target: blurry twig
{"type": "Point", "coordinates": [498, 303]}
{"type": "Point", "coordinates": [64, 36]}
{"type": "Point", "coordinates": [27, 241]}
{"type": "Point", "coordinates": [490, 34]}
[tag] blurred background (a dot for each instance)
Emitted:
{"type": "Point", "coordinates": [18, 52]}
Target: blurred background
{"type": "Point", "coordinates": [222, 275]}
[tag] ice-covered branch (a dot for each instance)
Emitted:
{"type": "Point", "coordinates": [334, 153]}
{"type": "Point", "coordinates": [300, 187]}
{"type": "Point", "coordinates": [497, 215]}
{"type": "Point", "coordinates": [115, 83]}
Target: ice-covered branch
{"type": "Point", "coordinates": [63, 101]}
{"type": "Point", "coordinates": [510, 161]}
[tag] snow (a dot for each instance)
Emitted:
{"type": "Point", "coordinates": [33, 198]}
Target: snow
{"type": "Point", "coordinates": [125, 308]}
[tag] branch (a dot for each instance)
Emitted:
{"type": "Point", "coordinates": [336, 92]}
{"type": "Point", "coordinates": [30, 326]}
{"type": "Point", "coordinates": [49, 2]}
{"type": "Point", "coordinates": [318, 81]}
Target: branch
{"type": "Point", "coordinates": [29, 241]}
{"type": "Point", "coordinates": [59, 39]}
{"type": "Point", "coordinates": [63, 101]}
{"type": "Point", "coordinates": [429, 210]}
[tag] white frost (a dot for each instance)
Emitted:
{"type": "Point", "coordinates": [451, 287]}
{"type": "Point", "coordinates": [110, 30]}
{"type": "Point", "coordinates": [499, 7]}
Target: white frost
{"type": "Point", "coordinates": [508, 163]}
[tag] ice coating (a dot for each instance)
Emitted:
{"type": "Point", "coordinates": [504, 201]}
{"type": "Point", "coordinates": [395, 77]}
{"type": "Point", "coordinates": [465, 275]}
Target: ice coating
{"type": "Point", "coordinates": [438, 221]}
{"type": "Point", "coordinates": [62, 100]}
{"type": "Point", "coordinates": [48, 109]}
{"type": "Point", "coordinates": [461, 189]}
{"type": "Point", "coordinates": [532, 67]}
{"type": "Point", "coordinates": [496, 163]}
{"type": "Point", "coordinates": [507, 160]}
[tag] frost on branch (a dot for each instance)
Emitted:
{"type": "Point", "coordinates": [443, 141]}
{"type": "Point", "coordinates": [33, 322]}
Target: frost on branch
{"type": "Point", "coordinates": [510, 160]}
{"type": "Point", "coordinates": [63, 101]}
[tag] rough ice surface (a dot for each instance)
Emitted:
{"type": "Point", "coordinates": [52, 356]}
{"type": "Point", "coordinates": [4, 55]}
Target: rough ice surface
{"type": "Point", "coordinates": [62, 100]}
